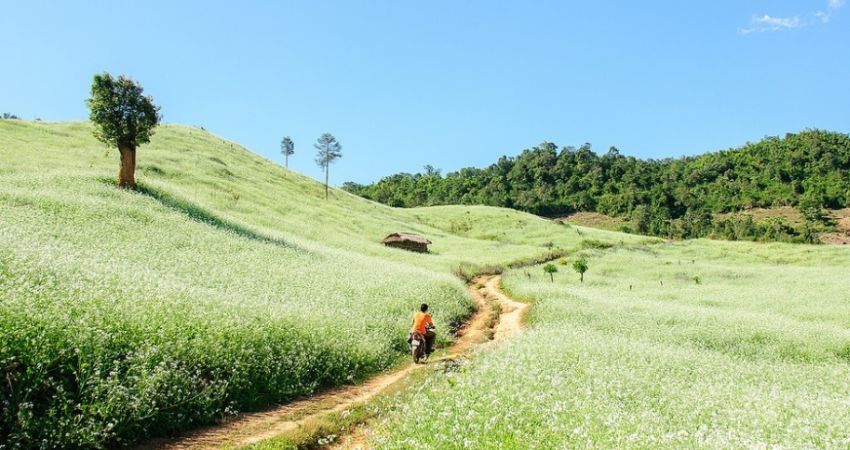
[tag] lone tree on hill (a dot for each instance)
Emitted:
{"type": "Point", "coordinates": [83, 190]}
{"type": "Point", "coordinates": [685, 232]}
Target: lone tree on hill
{"type": "Point", "coordinates": [123, 117]}
{"type": "Point", "coordinates": [329, 150]}
{"type": "Point", "coordinates": [580, 266]}
{"type": "Point", "coordinates": [551, 269]}
{"type": "Point", "coordinates": [287, 148]}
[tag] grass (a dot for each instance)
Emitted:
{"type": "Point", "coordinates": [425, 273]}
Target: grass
{"type": "Point", "coordinates": [640, 355]}
{"type": "Point", "coordinates": [225, 284]}
{"type": "Point", "coordinates": [228, 283]}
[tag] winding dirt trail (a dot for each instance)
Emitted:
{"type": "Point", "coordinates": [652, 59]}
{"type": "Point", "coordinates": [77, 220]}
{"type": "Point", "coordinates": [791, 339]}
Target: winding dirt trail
{"type": "Point", "coordinates": [509, 324]}
{"type": "Point", "coordinates": [251, 428]}
{"type": "Point", "coordinates": [510, 319]}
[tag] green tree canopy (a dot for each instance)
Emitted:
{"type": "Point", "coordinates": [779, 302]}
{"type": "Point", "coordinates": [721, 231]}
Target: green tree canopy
{"type": "Point", "coordinates": [580, 266]}
{"type": "Point", "coordinates": [287, 149]}
{"type": "Point", "coordinates": [328, 151]}
{"type": "Point", "coordinates": [120, 112]}
{"type": "Point", "coordinates": [551, 269]}
{"type": "Point", "coordinates": [676, 198]}
{"type": "Point", "coordinates": [122, 116]}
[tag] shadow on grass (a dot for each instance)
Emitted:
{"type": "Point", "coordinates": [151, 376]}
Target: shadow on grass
{"type": "Point", "coordinates": [199, 214]}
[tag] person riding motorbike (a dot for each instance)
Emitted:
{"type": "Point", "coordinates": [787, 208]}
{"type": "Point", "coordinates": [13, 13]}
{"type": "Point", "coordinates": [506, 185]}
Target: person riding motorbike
{"type": "Point", "coordinates": [423, 325]}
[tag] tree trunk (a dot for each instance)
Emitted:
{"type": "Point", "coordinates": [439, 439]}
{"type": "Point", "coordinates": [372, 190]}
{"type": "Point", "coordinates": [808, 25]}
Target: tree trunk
{"type": "Point", "coordinates": [582, 277]}
{"type": "Point", "coordinates": [327, 170]}
{"type": "Point", "coordinates": [127, 173]}
{"type": "Point", "coordinates": [286, 161]}
{"type": "Point", "coordinates": [552, 277]}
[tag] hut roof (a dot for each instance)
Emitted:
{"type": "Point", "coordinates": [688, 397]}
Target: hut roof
{"type": "Point", "coordinates": [405, 237]}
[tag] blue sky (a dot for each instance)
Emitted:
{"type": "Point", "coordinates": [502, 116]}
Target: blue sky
{"type": "Point", "coordinates": [448, 83]}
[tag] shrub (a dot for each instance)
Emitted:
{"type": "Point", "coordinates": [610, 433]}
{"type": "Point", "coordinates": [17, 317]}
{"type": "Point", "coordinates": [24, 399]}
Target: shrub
{"type": "Point", "coordinates": [595, 244]}
{"type": "Point", "coordinates": [580, 266]}
{"type": "Point", "coordinates": [551, 269]}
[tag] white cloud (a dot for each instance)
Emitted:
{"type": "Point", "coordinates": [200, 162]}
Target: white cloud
{"type": "Point", "coordinates": [780, 23]}
{"type": "Point", "coordinates": [760, 24]}
{"type": "Point", "coordinates": [833, 5]}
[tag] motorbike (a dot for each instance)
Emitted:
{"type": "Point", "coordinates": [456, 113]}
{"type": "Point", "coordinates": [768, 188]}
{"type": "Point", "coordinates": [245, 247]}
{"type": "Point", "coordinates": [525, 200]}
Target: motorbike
{"type": "Point", "coordinates": [418, 346]}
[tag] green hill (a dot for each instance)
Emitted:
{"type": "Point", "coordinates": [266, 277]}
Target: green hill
{"type": "Point", "coordinates": [677, 198]}
{"type": "Point", "coordinates": [226, 283]}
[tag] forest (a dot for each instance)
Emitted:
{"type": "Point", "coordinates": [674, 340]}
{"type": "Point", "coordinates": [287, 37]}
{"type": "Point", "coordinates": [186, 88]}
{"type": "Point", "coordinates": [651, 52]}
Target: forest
{"type": "Point", "coordinates": [672, 197]}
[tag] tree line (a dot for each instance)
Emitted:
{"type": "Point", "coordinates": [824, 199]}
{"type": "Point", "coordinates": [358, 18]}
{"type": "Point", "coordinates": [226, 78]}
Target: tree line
{"type": "Point", "coordinates": [673, 197]}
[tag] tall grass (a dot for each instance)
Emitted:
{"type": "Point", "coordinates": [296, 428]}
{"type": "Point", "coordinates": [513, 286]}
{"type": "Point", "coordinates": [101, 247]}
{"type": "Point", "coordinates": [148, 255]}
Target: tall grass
{"type": "Point", "coordinates": [227, 283]}
{"type": "Point", "coordinates": [642, 356]}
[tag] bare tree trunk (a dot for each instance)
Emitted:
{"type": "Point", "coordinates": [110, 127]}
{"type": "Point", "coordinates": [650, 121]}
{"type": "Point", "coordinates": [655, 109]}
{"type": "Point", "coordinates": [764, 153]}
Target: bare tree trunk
{"type": "Point", "coordinates": [127, 174]}
{"type": "Point", "coordinates": [327, 170]}
{"type": "Point", "coordinates": [582, 277]}
{"type": "Point", "coordinates": [286, 161]}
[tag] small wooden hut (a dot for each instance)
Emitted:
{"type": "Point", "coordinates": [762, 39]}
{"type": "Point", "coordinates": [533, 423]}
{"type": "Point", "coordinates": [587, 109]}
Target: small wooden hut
{"type": "Point", "coordinates": [407, 241]}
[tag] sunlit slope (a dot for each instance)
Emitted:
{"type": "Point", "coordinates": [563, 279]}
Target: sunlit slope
{"type": "Point", "coordinates": [193, 168]}
{"type": "Point", "coordinates": [226, 283]}
{"type": "Point", "coordinates": [694, 344]}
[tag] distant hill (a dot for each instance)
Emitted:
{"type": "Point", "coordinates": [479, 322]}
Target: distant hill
{"type": "Point", "coordinates": [680, 198]}
{"type": "Point", "coordinates": [834, 229]}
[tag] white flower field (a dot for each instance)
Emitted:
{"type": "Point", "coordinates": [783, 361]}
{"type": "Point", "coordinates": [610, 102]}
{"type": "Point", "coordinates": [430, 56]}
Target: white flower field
{"type": "Point", "coordinates": [226, 284]}
{"type": "Point", "coordinates": [641, 355]}
{"type": "Point", "coordinates": [229, 284]}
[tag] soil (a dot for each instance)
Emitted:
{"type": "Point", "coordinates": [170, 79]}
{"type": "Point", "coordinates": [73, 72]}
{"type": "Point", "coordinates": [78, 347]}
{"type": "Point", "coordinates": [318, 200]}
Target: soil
{"type": "Point", "coordinates": [509, 324]}
{"type": "Point", "coordinates": [251, 428]}
{"type": "Point", "coordinates": [594, 220]}
{"type": "Point", "coordinates": [841, 235]}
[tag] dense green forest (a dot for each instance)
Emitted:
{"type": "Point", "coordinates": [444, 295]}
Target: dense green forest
{"type": "Point", "coordinates": [676, 198]}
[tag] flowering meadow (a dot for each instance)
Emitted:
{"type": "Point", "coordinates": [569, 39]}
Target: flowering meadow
{"type": "Point", "coordinates": [694, 344]}
{"type": "Point", "coordinates": [226, 284]}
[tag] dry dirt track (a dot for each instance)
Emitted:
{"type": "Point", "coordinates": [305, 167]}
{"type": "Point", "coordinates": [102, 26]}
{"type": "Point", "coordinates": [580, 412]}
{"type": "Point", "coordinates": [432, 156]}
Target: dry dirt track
{"type": "Point", "coordinates": [255, 427]}
{"type": "Point", "coordinates": [509, 324]}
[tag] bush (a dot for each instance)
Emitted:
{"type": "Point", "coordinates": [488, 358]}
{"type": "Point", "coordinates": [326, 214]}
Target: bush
{"type": "Point", "coordinates": [580, 266]}
{"type": "Point", "coordinates": [551, 269]}
{"type": "Point", "coordinates": [595, 244]}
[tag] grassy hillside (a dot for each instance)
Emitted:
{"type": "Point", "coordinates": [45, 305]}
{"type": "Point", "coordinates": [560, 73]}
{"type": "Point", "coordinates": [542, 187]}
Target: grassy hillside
{"type": "Point", "coordinates": [696, 344]}
{"type": "Point", "coordinates": [836, 230]}
{"type": "Point", "coordinates": [673, 198]}
{"type": "Point", "coordinates": [226, 283]}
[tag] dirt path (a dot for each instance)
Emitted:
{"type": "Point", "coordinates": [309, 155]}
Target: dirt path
{"type": "Point", "coordinates": [251, 428]}
{"type": "Point", "coordinates": [510, 319]}
{"type": "Point", "coordinates": [509, 324]}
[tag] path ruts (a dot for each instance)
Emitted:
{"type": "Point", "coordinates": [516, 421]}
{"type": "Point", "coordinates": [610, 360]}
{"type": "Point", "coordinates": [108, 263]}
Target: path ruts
{"type": "Point", "coordinates": [251, 428]}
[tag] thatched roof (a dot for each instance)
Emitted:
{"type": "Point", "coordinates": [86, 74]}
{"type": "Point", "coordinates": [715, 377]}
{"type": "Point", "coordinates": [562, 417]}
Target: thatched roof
{"type": "Point", "coordinates": [396, 238]}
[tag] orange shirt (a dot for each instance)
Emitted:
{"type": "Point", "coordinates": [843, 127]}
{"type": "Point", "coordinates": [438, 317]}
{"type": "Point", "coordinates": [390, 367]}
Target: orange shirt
{"type": "Point", "coordinates": [420, 321]}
